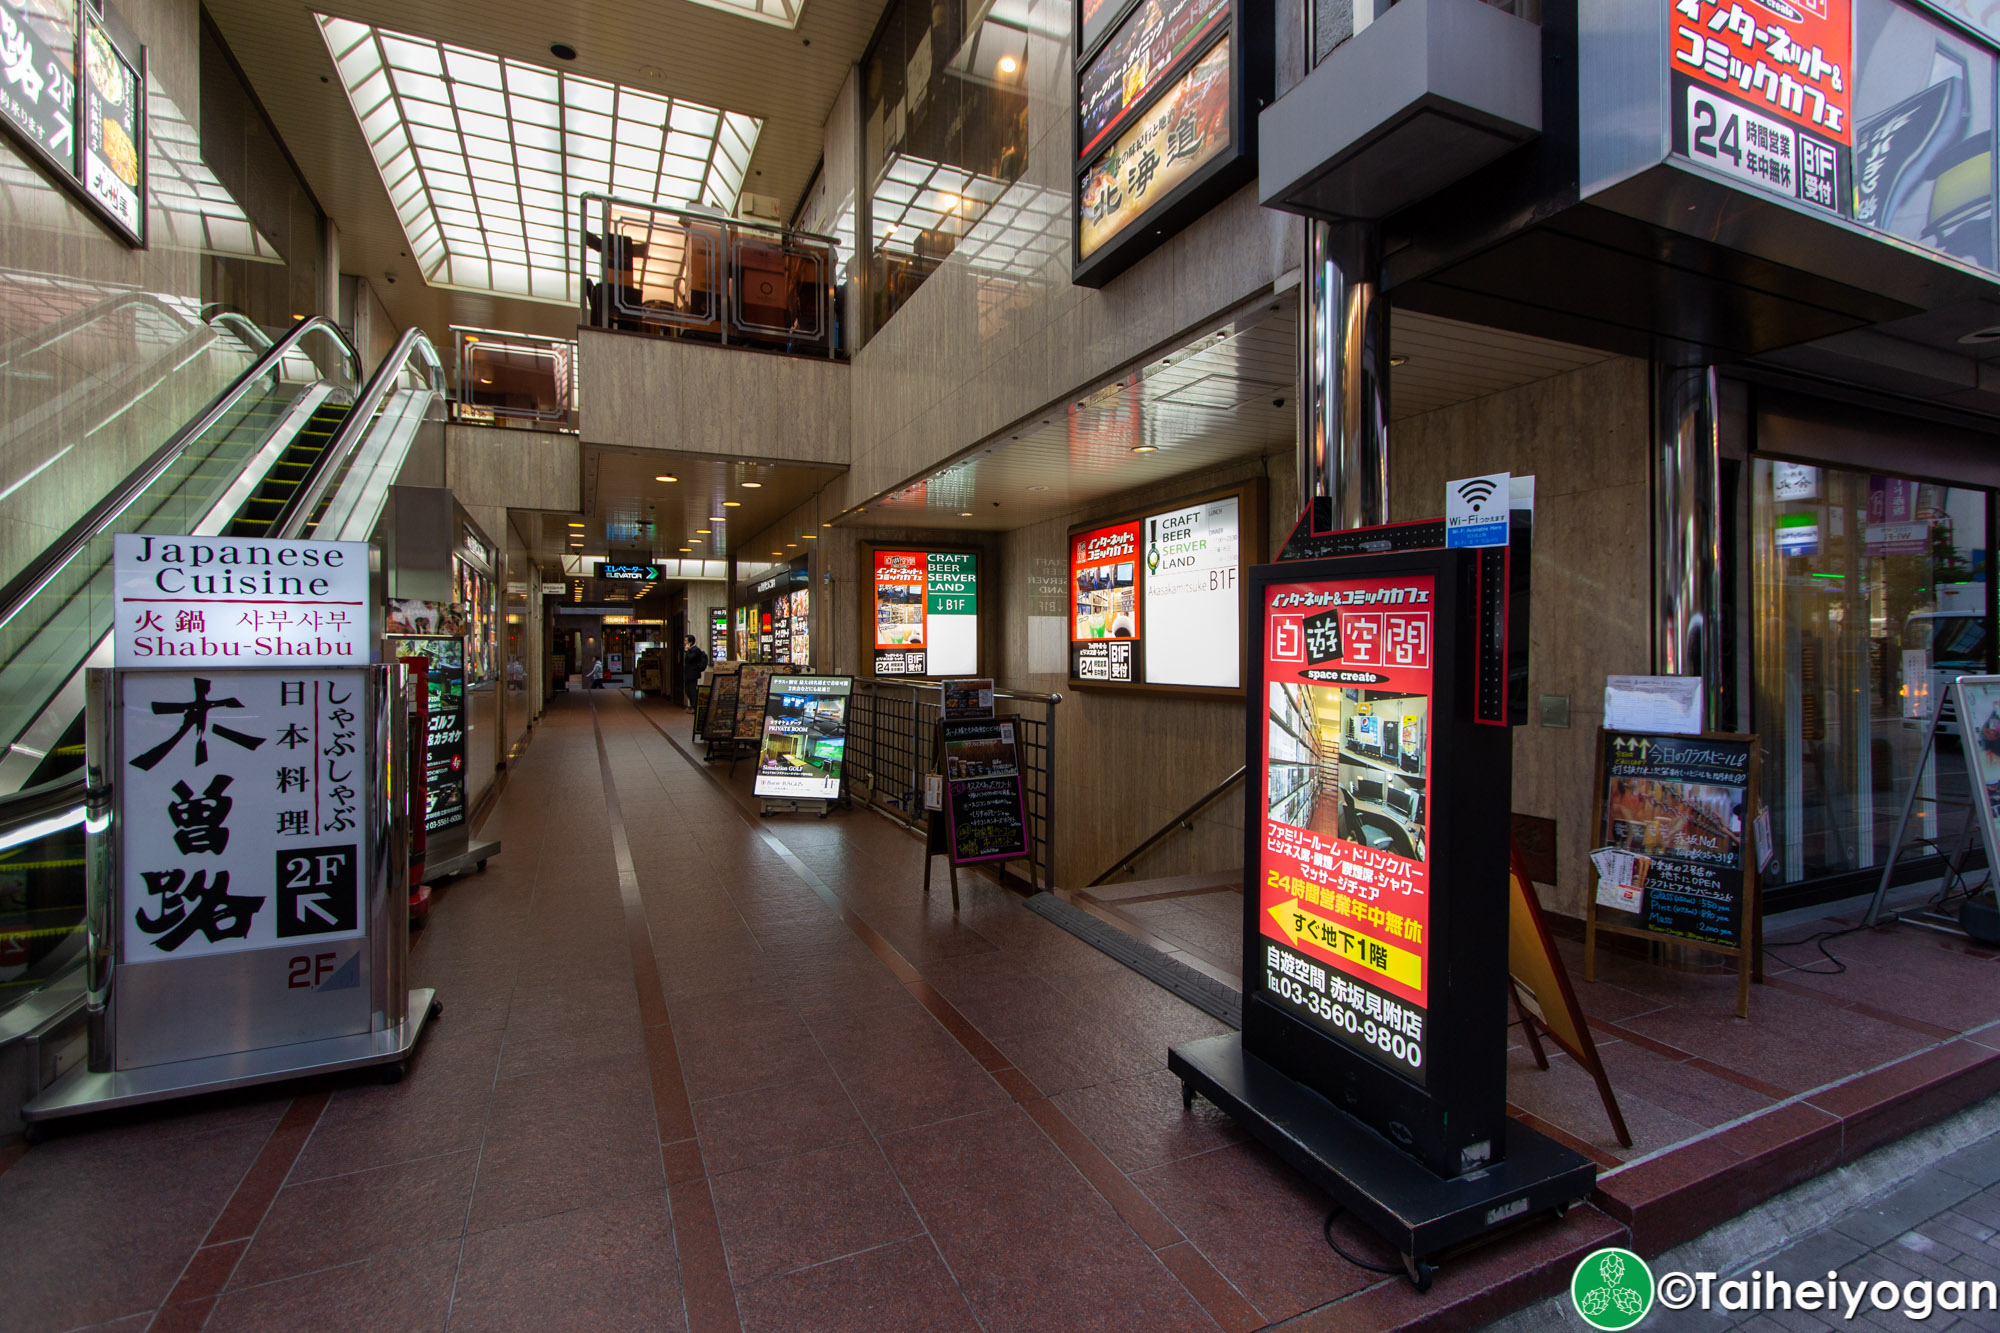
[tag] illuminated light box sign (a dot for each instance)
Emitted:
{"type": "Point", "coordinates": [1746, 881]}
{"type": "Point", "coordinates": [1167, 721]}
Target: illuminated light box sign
{"type": "Point", "coordinates": [1871, 114]}
{"type": "Point", "coordinates": [1141, 56]}
{"type": "Point", "coordinates": [628, 573]}
{"type": "Point", "coordinates": [805, 737]}
{"type": "Point", "coordinates": [89, 131]}
{"type": "Point", "coordinates": [1344, 867]}
{"type": "Point", "coordinates": [1166, 124]}
{"type": "Point", "coordinates": [925, 613]}
{"type": "Point", "coordinates": [244, 601]}
{"type": "Point", "coordinates": [1157, 599]}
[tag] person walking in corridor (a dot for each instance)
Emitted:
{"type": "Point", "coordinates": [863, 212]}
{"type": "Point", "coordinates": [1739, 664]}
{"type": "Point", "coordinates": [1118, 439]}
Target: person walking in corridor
{"type": "Point", "coordinates": [693, 662]}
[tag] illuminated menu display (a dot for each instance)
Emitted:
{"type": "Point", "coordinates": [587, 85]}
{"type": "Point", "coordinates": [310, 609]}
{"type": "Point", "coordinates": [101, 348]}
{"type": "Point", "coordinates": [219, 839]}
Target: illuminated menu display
{"type": "Point", "coordinates": [1147, 47]}
{"type": "Point", "coordinates": [1157, 600]}
{"type": "Point", "coordinates": [926, 613]}
{"type": "Point", "coordinates": [1343, 869]}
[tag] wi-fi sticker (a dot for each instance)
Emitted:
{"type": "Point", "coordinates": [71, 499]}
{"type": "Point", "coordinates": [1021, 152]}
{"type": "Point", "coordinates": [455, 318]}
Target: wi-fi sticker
{"type": "Point", "coordinates": [1477, 492]}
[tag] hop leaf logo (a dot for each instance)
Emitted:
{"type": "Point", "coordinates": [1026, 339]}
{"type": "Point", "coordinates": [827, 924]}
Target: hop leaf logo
{"type": "Point", "coordinates": [1612, 1289]}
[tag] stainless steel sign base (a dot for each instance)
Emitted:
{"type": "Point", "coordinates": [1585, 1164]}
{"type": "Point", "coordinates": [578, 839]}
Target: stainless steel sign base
{"type": "Point", "coordinates": [82, 1091]}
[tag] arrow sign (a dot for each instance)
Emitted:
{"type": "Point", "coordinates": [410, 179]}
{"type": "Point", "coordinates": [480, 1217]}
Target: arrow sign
{"type": "Point", "coordinates": [314, 903]}
{"type": "Point", "coordinates": [1348, 945]}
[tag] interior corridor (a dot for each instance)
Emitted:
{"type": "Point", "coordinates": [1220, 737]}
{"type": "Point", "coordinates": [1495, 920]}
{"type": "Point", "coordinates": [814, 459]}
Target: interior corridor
{"type": "Point", "coordinates": [702, 1071]}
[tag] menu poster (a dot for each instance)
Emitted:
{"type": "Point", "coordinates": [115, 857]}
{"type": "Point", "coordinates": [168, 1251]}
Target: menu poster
{"type": "Point", "coordinates": [985, 808]}
{"type": "Point", "coordinates": [967, 700]}
{"type": "Point", "coordinates": [114, 131]}
{"type": "Point", "coordinates": [719, 723]}
{"type": "Point", "coordinates": [1344, 870]}
{"type": "Point", "coordinates": [38, 90]}
{"type": "Point", "coordinates": [753, 685]}
{"type": "Point", "coordinates": [925, 613]}
{"type": "Point", "coordinates": [805, 737]}
{"type": "Point", "coordinates": [702, 693]}
{"type": "Point", "coordinates": [1679, 801]}
{"type": "Point", "coordinates": [1978, 705]}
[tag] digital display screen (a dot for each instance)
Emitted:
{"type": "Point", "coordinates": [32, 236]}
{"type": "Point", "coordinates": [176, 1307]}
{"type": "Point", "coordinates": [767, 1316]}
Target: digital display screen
{"type": "Point", "coordinates": [1138, 58]}
{"type": "Point", "coordinates": [1174, 137]}
{"type": "Point", "coordinates": [1157, 600]}
{"type": "Point", "coordinates": [1344, 865]}
{"type": "Point", "coordinates": [926, 613]}
{"type": "Point", "coordinates": [632, 573]}
{"type": "Point", "coordinates": [805, 737]}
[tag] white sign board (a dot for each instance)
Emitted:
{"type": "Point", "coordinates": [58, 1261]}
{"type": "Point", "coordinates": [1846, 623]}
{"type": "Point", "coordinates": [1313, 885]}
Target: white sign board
{"type": "Point", "coordinates": [1476, 510]}
{"type": "Point", "coordinates": [242, 809]}
{"type": "Point", "coordinates": [1669, 705]}
{"type": "Point", "coordinates": [1193, 596]}
{"type": "Point", "coordinates": [238, 601]}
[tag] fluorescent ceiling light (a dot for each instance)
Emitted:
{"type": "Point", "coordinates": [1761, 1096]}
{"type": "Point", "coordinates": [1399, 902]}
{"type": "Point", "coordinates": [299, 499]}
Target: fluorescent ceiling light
{"type": "Point", "coordinates": [484, 157]}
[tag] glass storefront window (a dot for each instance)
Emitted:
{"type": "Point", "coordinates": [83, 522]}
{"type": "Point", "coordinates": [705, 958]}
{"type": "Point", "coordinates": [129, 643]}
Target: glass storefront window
{"type": "Point", "coordinates": [944, 111]}
{"type": "Point", "coordinates": [1870, 597]}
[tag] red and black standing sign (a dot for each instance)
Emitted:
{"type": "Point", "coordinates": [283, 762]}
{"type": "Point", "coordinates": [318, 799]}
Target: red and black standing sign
{"type": "Point", "coordinates": [1372, 1054]}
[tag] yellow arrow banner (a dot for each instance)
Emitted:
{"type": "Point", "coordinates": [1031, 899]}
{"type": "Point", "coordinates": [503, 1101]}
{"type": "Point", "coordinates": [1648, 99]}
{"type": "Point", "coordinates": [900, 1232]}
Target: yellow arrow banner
{"type": "Point", "coordinates": [1364, 951]}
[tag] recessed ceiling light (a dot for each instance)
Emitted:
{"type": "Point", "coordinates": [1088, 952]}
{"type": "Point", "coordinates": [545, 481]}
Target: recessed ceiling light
{"type": "Point", "coordinates": [777, 553]}
{"type": "Point", "coordinates": [965, 513]}
{"type": "Point", "coordinates": [576, 525]}
{"type": "Point", "coordinates": [732, 504]}
{"type": "Point", "coordinates": [715, 518]}
{"type": "Point", "coordinates": [826, 525]}
{"type": "Point", "coordinates": [809, 536]}
{"type": "Point", "coordinates": [1145, 448]}
{"type": "Point", "coordinates": [1398, 360]}
{"type": "Point", "coordinates": [703, 531]}
{"type": "Point", "coordinates": [562, 50]}
{"type": "Point", "coordinates": [1038, 488]}
{"type": "Point", "coordinates": [789, 546]}
{"type": "Point", "coordinates": [1008, 64]}
{"type": "Point", "coordinates": [666, 476]}
{"type": "Point", "coordinates": [753, 485]}
{"type": "Point", "coordinates": [686, 549]}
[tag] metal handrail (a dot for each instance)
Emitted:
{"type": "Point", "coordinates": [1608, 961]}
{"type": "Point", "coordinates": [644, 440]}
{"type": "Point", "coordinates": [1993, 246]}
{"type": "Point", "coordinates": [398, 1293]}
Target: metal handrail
{"type": "Point", "coordinates": [291, 521]}
{"type": "Point", "coordinates": [54, 332]}
{"type": "Point", "coordinates": [1179, 823]}
{"type": "Point", "coordinates": [726, 266]}
{"type": "Point", "coordinates": [21, 589]}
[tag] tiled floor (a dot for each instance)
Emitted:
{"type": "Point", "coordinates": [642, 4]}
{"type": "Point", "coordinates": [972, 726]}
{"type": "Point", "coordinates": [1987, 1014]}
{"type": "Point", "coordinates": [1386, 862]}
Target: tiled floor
{"type": "Point", "coordinates": [703, 1071]}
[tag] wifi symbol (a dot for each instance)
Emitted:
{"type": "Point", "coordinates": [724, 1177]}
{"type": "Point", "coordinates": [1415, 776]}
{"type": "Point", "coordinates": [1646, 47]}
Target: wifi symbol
{"type": "Point", "coordinates": [1477, 491]}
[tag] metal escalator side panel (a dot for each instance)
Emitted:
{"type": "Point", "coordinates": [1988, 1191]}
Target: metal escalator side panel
{"type": "Point", "coordinates": [356, 507]}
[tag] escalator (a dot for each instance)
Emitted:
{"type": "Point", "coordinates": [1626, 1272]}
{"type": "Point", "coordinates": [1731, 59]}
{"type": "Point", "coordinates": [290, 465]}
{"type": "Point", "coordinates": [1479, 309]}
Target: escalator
{"type": "Point", "coordinates": [293, 447]}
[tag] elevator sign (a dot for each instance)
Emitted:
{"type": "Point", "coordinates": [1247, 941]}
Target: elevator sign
{"type": "Point", "coordinates": [238, 601]}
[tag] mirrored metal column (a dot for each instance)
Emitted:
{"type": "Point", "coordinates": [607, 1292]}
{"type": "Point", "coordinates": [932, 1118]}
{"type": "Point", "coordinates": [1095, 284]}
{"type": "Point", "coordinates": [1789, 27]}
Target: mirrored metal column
{"type": "Point", "coordinates": [1687, 508]}
{"type": "Point", "coordinates": [1344, 373]}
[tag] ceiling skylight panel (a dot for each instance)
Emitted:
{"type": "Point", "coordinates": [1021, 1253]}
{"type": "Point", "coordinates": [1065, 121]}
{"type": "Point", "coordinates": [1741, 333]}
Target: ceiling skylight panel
{"type": "Point", "coordinates": [484, 158]}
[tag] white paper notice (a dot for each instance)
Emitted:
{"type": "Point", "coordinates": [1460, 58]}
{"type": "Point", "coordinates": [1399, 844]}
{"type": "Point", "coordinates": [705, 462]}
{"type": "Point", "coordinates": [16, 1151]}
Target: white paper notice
{"type": "Point", "coordinates": [1670, 705]}
{"type": "Point", "coordinates": [1621, 878]}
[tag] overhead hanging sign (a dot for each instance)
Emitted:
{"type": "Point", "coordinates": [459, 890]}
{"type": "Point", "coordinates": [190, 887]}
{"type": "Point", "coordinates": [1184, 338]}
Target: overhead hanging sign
{"type": "Point", "coordinates": [242, 601]}
{"type": "Point", "coordinates": [805, 737]}
{"type": "Point", "coordinates": [641, 573]}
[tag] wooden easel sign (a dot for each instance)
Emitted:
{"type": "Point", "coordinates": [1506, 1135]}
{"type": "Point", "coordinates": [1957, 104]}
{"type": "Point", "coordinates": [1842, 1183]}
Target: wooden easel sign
{"type": "Point", "coordinates": [1683, 803]}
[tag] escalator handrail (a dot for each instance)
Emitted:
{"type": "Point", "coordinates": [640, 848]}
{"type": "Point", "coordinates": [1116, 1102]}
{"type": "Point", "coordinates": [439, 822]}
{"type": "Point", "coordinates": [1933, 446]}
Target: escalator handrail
{"type": "Point", "coordinates": [32, 805]}
{"type": "Point", "coordinates": [292, 521]}
{"type": "Point", "coordinates": [20, 589]}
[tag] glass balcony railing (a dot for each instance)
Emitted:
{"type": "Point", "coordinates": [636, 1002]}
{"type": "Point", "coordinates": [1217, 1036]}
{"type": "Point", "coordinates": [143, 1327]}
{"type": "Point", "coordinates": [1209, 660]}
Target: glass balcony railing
{"type": "Point", "coordinates": [514, 379]}
{"type": "Point", "coordinates": [681, 273]}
